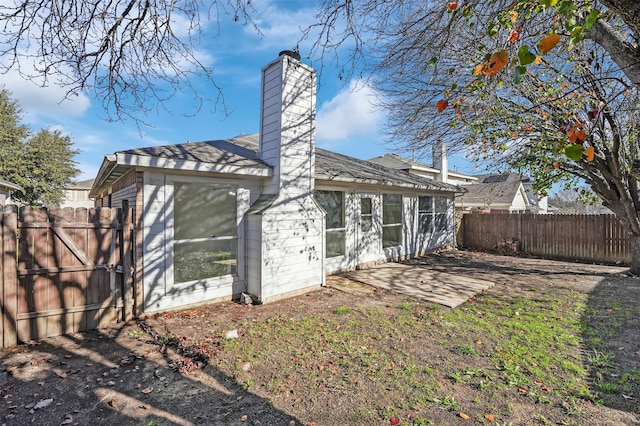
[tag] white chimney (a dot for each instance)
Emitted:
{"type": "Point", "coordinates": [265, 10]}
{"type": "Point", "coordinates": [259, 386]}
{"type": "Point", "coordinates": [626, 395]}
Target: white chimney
{"type": "Point", "coordinates": [440, 162]}
{"type": "Point", "coordinates": [287, 125]}
{"type": "Point", "coordinates": [285, 252]}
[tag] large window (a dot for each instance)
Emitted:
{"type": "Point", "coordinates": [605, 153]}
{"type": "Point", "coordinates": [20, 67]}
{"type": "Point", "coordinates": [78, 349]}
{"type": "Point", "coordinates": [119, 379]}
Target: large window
{"type": "Point", "coordinates": [433, 214]}
{"type": "Point", "coordinates": [333, 203]}
{"type": "Point", "coordinates": [391, 220]}
{"type": "Point", "coordinates": [205, 234]}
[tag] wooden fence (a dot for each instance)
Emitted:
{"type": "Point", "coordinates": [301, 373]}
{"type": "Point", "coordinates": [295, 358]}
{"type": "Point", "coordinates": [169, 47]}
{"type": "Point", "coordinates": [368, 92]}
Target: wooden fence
{"type": "Point", "coordinates": [63, 271]}
{"type": "Point", "coordinates": [593, 238]}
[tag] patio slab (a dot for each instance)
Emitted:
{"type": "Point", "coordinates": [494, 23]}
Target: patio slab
{"type": "Point", "coordinates": [417, 281]}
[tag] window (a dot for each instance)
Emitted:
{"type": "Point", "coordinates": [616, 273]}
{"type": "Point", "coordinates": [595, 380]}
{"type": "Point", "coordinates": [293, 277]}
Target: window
{"type": "Point", "coordinates": [441, 214]}
{"type": "Point", "coordinates": [205, 238]}
{"type": "Point", "coordinates": [333, 203]}
{"type": "Point", "coordinates": [391, 220]}
{"type": "Point", "coordinates": [425, 214]}
{"type": "Point", "coordinates": [366, 214]}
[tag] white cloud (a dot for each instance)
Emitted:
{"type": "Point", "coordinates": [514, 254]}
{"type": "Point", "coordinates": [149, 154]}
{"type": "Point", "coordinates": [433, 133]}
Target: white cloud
{"type": "Point", "coordinates": [351, 112]}
{"type": "Point", "coordinates": [43, 101]}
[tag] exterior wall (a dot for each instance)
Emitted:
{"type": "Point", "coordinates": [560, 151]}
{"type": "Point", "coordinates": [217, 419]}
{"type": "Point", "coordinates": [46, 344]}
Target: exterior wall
{"type": "Point", "coordinates": [519, 202]}
{"type": "Point", "coordinates": [160, 291]}
{"type": "Point", "coordinates": [414, 242]}
{"type": "Point", "coordinates": [292, 248]}
{"type": "Point", "coordinates": [77, 198]}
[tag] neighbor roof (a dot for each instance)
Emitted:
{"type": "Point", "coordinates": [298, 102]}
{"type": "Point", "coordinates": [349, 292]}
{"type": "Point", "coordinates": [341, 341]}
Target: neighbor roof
{"type": "Point", "coordinates": [239, 155]}
{"type": "Point", "coordinates": [396, 161]}
{"type": "Point", "coordinates": [493, 193]}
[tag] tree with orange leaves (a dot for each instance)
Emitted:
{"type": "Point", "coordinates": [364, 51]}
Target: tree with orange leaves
{"type": "Point", "coordinates": [544, 86]}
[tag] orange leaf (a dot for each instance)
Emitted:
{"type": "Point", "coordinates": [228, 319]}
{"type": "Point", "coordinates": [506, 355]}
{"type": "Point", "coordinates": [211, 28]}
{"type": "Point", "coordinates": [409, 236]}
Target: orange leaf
{"type": "Point", "coordinates": [591, 153]}
{"type": "Point", "coordinates": [548, 43]}
{"type": "Point", "coordinates": [514, 35]}
{"type": "Point", "coordinates": [452, 5]}
{"type": "Point", "coordinates": [538, 60]}
{"type": "Point", "coordinates": [490, 417]}
{"type": "Point", "coordinates": [497, 61]}
{"type": "Point", "coordinates": [464, 416]}
{"type": "Point", "coordinates": [556, 165]}
{"type": "Point", "coordinates": [441, 105]}
{"type": "Point", "coordinates": [478, 69]}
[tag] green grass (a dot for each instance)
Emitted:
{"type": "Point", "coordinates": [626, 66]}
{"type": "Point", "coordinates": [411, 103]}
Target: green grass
{"type": "Point", "coordinates": [505, 347]}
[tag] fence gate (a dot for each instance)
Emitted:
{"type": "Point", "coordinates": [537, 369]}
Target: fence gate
{"type": "Point", "coordinates": [60, 271]}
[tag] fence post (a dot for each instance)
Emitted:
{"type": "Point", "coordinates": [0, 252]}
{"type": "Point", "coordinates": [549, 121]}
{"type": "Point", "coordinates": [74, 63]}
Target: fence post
{"type": "Point", "coordinates": [127, 231]}
{"type": "Point", "coordinates": [9, 281]}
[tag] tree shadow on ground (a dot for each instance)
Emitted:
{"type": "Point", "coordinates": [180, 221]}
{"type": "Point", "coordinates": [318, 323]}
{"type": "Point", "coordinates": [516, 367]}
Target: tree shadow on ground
{"type": "Point", "coordinates": [611, 335]}
{"type": "Point", "coordinates": [121, 376]}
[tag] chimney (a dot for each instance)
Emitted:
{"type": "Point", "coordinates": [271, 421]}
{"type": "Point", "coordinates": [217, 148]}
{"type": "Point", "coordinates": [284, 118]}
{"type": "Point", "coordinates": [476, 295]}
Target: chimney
{"type": "Point", "coordinates": [287, 125]}
{"type": "Point", "coordinates": [440, 162]}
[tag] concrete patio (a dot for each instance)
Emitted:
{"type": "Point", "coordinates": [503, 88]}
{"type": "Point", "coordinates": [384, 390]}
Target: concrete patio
{"type": "Point", "coordinates": [413, 280]}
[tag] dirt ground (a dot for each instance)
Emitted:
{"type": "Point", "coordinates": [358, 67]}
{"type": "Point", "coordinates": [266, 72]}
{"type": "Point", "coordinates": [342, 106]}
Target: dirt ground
{"type": "Point", "coordinates": [162, 370]}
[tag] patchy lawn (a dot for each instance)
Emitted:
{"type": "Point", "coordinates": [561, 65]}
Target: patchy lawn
{"type": "Point", "coordinates": [551, 343]}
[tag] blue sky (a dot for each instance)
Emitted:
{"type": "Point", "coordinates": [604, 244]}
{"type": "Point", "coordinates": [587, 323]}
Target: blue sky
{"type": "Point", "coordinates": [346, 121]}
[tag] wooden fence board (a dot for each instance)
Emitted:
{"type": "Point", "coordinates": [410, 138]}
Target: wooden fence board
{"type": "Point", "coordinates": [594, 238]}
{"type": "Point", "coordinates": [64, 279]}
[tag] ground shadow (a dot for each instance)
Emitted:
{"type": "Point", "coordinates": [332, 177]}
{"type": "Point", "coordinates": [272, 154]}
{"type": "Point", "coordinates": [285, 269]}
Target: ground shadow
{"type": "Point", "coordinates": [611, 335]}
{"type": "Point", "coordinates": [123, 376]}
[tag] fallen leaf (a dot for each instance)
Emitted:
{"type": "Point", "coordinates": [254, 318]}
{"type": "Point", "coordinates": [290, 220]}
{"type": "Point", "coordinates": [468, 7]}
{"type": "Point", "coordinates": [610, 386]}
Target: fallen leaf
{"type": "Point", "coordinates": [522, 390]}
{"type": "Point", "coordinates": [147, 390]}
{"type": "Point", "coordinates": [464, 416]}
{"type": "Point", "coordinates": [546, 388]}
{"type": "Point", "coordinates": [441, 105]}
{"type": "Point", "coordinates": [490, 417]}
{"type": "Point", "coordinates": [452, 5]}
{"type": "Point", "coordinates": [548, 43]}
{"type": "Point", "coordinates": [243, 418]}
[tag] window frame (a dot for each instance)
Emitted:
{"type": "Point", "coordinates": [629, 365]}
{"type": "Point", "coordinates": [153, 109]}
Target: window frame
{"type": "Point", "coordinates": [342, 230]}
{"type": "Point", "coordinates": [391, 225]}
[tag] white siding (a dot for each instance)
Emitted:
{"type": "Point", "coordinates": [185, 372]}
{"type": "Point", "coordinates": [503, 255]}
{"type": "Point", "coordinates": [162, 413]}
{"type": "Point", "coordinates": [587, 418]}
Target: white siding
{"type": "Point", "coordinates": [160, 291]}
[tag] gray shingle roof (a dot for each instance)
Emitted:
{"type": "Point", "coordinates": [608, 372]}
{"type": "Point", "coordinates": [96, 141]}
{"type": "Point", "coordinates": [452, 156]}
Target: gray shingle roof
{"type": "Point", "coordinates": [331, 166]}
{"type": "Point", "coordinates": [216, 151]}
{"type": "Point", "coordinates": [242, 151]}
{"type": "Point", "coordinates": [491, 193]}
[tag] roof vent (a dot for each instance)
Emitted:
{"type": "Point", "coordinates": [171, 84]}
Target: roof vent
{"type": "Point", "coordinates": [291, 53]}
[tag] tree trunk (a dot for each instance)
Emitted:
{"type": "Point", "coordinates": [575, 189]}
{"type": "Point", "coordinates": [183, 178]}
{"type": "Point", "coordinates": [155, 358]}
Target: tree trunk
{"type": "Point", "coordinates": [634, 242]}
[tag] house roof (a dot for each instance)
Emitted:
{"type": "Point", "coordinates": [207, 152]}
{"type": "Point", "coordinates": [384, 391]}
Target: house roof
{"type": "Point", "coordinates": [495, 194]}
{"type": "Point", "coordinates": [82, 184]}
{"type": "Point", "coordinates": [239, 155]}
{"type": "Point", "coordinates": [9, 185]}
{"type": "Point", "coordinates": [502, 177]}
{"type": "Point", "coordinates": [396, 161]}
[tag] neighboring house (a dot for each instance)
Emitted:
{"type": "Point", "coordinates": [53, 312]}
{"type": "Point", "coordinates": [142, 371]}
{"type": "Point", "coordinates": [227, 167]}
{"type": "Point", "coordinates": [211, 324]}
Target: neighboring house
{"type": "Point", "coordinates": [505, 192]}
{"type": "Point", "coordinates": [77, 195]}
{"type": "Point", "coordinates": [434, 172]}
{"type": "Point", "coordinates": [5, 191]}
{"type": "Point", "coordinates": [267, 214]}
